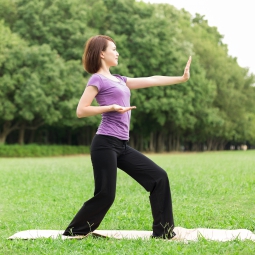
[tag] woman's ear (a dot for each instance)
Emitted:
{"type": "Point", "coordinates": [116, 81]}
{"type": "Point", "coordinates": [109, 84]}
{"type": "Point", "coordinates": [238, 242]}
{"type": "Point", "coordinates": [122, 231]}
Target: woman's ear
{"type": "Point", "coordinates": [102, 54]}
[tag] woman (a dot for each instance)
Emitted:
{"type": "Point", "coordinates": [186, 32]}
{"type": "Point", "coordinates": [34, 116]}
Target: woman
{"type": "Point", "coordinates": [109, 149]}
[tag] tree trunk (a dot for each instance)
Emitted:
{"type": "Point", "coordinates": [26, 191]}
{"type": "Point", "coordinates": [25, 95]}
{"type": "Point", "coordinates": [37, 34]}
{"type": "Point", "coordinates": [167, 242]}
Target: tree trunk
{"type": "Point", "coordinates": [21, 134]}
{"type": "Point", "coordinates": [222, 145]}
{"type": "Point", "coordinates": [131, 141]}
{"type": "Point", "coordinates": [215, 144]}
{"type": "Point", "coordinates": [160, 142]}
{"type": "Point", "coordinates": [152, 143]}
{"type": "Point", "coordinates": [6, 130]}
{"type": "Point", "coordinates": [177, 143]}
{"type": "Point", "coordinates": [140, 143]}
{"type": "Point", "coordinates": [209, 144]}
{"type": "Point", "coordinates": [170, 143]}
{"type": "Point", "coordinates": [32, 136]}
{"type": "Point", "coordinates": [194, 147]}
{"type": "Point", "coordinates": [2, 138]}
{"type": "Point", "coordinates": [69, 137]}
{"type": "Point", "coordinates": [173, 143]}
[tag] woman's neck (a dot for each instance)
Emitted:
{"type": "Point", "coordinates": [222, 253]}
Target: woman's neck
{"type": "Point", "coordinates": [105, 71]}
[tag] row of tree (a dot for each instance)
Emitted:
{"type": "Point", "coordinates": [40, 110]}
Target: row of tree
{"type": "Point", "coordinates": [41, 76]}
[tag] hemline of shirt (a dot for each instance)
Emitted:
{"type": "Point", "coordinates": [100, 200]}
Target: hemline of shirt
{"type": "Point", "coordinates": [121, 138]}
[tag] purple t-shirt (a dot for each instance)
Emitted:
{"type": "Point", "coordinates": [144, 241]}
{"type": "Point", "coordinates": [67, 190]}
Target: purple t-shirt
{"type": "Point", "coordinates": [112, 92]}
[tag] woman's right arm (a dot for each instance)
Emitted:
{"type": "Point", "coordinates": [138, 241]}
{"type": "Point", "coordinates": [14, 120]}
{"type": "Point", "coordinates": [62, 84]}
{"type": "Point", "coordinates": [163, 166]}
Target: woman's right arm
{"type": "Point", "coordinates": [84, 108]}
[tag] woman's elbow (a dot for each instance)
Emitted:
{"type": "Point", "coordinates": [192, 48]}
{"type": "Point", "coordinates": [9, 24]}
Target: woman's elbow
{"type": "Point", "coordinates": [80, 113]}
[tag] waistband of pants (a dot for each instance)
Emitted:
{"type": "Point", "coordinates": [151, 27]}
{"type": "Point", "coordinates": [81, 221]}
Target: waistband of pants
{"type": "Point", "coordinates": [114, 138]}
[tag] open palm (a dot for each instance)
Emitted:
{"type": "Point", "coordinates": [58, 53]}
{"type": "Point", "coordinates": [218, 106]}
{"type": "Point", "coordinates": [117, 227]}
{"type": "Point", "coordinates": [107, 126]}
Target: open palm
{"type": "Point", "coordinates": [186, 74]}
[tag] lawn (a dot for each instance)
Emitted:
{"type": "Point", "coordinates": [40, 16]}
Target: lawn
{"type": "Point", "coordinates": [209, 190]}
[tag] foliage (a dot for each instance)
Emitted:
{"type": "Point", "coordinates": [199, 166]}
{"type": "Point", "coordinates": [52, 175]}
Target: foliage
{"type": "Point", "coordinates": [233, 83]}
{"type": "Point", "coordinates": [41, 77]}
{"type": "Point", "coordinates": [34, 150]}
{"type": "Point", "coordinates": [37, 86]}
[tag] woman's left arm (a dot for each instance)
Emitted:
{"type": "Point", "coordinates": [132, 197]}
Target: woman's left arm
{"type": "Point", "coordinates": [145, 82]}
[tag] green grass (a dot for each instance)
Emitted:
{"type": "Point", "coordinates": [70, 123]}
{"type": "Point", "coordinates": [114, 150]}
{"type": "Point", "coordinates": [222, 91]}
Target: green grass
{"type": "Point", "coordinates": [210, 190]}
{"type": "Point", "coordinates": [36, 150]}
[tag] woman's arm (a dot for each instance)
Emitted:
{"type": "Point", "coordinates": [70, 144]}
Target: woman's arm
{"type": "Point", "coordinates": [84, 108]}
{"type": "Point", "coordinates": [145, 82]}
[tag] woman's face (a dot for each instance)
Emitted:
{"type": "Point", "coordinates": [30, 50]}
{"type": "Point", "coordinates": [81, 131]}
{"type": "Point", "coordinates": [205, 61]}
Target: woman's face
{"type": "Point", "coordinates": [110, 55]}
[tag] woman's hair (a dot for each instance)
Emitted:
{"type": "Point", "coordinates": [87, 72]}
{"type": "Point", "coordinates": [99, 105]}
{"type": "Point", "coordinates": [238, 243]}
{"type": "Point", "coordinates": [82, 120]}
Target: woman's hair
{"type": "Point", "coordinates": [91, 57]}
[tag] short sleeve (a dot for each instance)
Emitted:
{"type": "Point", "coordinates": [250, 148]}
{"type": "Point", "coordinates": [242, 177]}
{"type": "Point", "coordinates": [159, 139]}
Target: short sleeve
{"type": "Point", "coordinates": [123, 78]}
{"type": "Point", "coordinates": [95, 80]}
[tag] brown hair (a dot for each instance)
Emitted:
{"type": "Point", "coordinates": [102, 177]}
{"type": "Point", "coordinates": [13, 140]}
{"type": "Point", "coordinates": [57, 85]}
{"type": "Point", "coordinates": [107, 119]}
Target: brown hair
{"type": "Point", "coordinates": [91, 57]}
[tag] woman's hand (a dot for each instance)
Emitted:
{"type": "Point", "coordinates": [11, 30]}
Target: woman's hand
{"type": "Point", "coordinates": [186, 74]}
{"type": "Point", "coordinates": [122, 109]}
{"type": "Point", "coordinates": [146, 82]}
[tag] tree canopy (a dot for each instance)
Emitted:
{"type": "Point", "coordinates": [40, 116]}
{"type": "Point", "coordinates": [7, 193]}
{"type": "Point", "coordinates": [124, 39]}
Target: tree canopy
{"type": "Point", "coordinates": [41, 76]}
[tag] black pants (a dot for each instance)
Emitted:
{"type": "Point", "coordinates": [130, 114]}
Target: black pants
{"type": "Point", "coordinates": [108, 153]}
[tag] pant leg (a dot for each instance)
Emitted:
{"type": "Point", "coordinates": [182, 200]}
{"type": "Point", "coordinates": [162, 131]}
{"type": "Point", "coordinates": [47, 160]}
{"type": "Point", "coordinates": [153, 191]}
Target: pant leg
{"type": "Point", "coordinates": [155, 180]}
{"type": "Point", "coordinates": [104, 160]}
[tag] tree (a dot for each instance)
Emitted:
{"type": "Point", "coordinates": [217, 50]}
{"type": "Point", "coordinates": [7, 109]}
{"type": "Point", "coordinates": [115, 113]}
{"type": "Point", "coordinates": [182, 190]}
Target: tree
{"type": "Point", "coordinates": [232, 82]}
{"type": "Point", "coordinates": [214, 107]}
{"type": "Point", "coordinates": [62, 24]}
{"type": "Point", "coordinates": [8, 11]}
{"type": "Point", "coordinates": [34, 82]}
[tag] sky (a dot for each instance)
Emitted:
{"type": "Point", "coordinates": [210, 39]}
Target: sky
{"type": "Point", "coordinates": [235, 20]}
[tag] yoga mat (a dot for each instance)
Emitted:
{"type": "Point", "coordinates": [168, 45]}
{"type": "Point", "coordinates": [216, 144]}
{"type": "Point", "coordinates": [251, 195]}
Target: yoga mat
{"type": "Point", "coordinates": [182, 234]}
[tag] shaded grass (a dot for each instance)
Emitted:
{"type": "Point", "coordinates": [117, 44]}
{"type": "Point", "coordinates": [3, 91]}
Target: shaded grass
{"type": "Point", "coordinates": [211, 190]}
{"type": "Point", "coordinates": [36, 150]}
